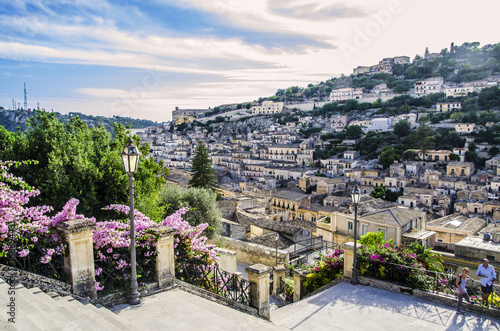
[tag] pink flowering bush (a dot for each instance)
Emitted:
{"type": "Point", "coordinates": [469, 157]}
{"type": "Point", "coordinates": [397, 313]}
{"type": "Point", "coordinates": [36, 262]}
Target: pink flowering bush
{"type": "Point", "coordinates": [325, 269]}
{"type": "Point", "coordinates": [400, 265]}
{"type": "Point", "coordinates": [112, 247]}
{"type": "Point", "coordinates": [29, 239]}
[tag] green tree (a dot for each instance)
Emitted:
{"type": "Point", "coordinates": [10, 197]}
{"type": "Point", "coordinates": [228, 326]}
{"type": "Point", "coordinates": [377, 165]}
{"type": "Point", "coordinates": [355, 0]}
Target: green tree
{"type": "Point", "coordinates": [457, 117]}
{"type": "Point", "coordinates": [454, 157]}
{"type": "Point", "coordinates": [402, 128]}
{"type": "Point", "coordinates": [430, 260]}
{"type": "Point", "coordinates": [203, 173]}
{"type": "Point", "coordinates": [494, 151]}
{"type": "Point", "coordinates": [424, 138]}
{"type": "Point", "coordinates": [388, 156]}
{"type": "Point", "coordinates": [75, 161]}
{"type": "Point", "coordinates": [409, 155]}
{"type": "Point", "coordinates": [379, 192]}
{"type": "Point", "coordinates": [353, 132]}
{"type": "Point", "coordinates": [202, 204]}
{"type": "Point", "coordinates": [374, 239]}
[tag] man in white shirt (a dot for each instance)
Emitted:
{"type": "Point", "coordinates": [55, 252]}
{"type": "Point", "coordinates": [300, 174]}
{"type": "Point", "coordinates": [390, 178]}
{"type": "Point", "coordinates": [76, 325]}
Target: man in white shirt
{"type": "Point", "coordinates": [488, 276]}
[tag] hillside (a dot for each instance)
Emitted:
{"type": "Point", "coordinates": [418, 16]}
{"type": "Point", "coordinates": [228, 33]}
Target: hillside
{"type": "Point", "coordinates": [456, 64]}
{"type": "Point", "coordinates": [13, 119]}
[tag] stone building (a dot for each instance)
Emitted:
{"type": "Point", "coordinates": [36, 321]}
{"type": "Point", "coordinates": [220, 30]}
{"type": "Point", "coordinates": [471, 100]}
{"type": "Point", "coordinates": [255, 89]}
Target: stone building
{"type": "Point", "coordinates": [453, 228]}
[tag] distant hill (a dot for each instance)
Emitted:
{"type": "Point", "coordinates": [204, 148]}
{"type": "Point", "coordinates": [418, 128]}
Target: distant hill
{"type": "Point", "coordinates": [13, 119]}
{"type": "Point", "coordinates": [456, 64]}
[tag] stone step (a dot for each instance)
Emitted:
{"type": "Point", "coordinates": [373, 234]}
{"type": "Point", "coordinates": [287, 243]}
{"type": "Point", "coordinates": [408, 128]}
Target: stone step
{"type": "Point", "coordinates": [63, 311]}
{"type": "Point", "coordinates": [59, 317]}
{"type": "Point", "coordinates": [86, 311]}
{"type": "Point", "coordinates": [5, 298]}
{"type": "Point", "coordinates": [30, 314]}
{"type": "Point", "coordinates": [117, 320]}
{"type": "Point", "coordinates": [37, 310]}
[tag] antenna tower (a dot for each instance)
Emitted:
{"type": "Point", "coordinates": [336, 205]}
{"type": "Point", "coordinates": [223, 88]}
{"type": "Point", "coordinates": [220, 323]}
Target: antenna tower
{"type": "Point", "coordinates": [25, 98]}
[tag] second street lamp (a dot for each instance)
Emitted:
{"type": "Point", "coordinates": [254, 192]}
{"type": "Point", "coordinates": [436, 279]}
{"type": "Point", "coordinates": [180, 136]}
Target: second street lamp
{"type": "Point", "coordinates": [356, 196]}
{"type": "Point", "coordinates": [130, 158]}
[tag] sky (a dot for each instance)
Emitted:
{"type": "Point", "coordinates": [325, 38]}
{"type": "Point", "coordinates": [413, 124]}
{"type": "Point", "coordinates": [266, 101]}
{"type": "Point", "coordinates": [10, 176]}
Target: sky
{"type": "Point", "coordinates": [141, 59]}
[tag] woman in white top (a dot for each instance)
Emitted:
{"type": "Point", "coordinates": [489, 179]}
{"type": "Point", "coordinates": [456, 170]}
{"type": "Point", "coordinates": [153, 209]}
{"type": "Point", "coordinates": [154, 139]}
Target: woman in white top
{"type": "Point", "coordinates": [461, 291]}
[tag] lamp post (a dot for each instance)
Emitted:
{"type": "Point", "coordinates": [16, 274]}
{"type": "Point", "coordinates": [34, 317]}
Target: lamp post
{"type": "Point", "coordinates": [130, 157]}
{"type": "Point", "coordinates": [276, 237]}
{"type": "Point", "coordinates": [356, 196]}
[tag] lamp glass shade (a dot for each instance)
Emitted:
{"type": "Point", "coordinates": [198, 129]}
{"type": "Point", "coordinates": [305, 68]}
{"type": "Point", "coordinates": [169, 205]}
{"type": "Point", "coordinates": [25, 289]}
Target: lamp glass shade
{"type": "Point", "coordinates": [130, 158]}
{"type": "Point", "coordinates": [356, 195]}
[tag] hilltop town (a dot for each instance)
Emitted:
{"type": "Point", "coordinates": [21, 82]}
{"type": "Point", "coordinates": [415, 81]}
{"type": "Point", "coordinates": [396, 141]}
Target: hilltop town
{"type": "Point", "coordinates": [419, 138]}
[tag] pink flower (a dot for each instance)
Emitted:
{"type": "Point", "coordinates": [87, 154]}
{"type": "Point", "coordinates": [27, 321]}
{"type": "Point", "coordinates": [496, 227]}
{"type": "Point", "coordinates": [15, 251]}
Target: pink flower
{"type": "Point", "coordinates": [23, 253]}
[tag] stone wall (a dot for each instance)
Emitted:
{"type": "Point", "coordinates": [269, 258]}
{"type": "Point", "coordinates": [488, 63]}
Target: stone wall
{"type": "Point", "coordinates": [252, 253]}
{"type": "Point", "coordinates": [227, 260]}
{"type": "Point", "coordinates": [30, 280]}
{"type": "Point", "coordinates": [227, 208]}
{"type": "Point", "coordinates": [233, 230]}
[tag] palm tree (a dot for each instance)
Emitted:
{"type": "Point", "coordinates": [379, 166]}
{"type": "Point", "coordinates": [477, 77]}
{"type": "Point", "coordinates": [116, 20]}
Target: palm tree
{"type": "Point", "coordinates": [430, 260]}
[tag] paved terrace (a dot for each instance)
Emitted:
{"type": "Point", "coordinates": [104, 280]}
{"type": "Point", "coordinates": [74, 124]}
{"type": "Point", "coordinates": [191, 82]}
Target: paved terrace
{"type": "Point", "coordinates": [342, 307]}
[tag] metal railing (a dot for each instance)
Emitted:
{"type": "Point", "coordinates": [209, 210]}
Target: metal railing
{"type": "Point", "coordinates": [213, 279]}
{"type": "Point", "coordinates": [32, 262]}
{"type": "Point", "coordinates": [304, 251]}
{"type": "Point", "coordinates": [312, 244]}
{"type": "Point", "coordinates": [430, 281]}
{"type": "Point", "coordinates": [113, 273]}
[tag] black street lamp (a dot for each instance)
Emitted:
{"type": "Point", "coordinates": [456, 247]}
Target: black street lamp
{"type": "Point", "coordinates": [130, 157]}
{"type": "Point", "coordinates": [356, 196]}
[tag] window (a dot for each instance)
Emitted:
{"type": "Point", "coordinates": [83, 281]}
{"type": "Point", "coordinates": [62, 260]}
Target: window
{"type": "Point", "coordinates": [364, 229]}
{"type": "Point", "coordinates": [350, 226]}
{"type": "Point", "coordinates": [381, 230]}
{"type": "Point", "coordinates": [313, 219]}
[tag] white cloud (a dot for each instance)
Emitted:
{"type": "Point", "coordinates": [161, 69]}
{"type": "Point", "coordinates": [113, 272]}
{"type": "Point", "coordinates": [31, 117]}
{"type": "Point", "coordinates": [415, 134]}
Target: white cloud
{"type": "Point", "coordinates": [254, 62]}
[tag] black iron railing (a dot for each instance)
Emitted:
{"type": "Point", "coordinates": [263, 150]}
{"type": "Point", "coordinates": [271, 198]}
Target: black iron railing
{"type": "Point", "coordinates": [430, 281]}
{"type": "Point", "coordinates": [208, 277]}
{"type": "Point", "coordinates": [32, 262]}
{"type": "Point", "coordinates": [113, 273]}
{"type": "Point", "coordinates": [303, 251]}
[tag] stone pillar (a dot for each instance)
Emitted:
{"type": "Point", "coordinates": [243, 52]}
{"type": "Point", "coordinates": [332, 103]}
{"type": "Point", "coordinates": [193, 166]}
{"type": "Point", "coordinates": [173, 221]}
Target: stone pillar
{"type": "Point", "coordinates": [165, 266]}
{"type": "Point", "coordinates": [258, 276]}
{"type": "Point", "coordinates": [79, 264]}
{"type": "Point", "coordinates": [349, 257]}
{"type": "Point", "coordinates": [238, 275]}
{"type": "Point", "coordinates": [299, 276]}
{"type": "Point", "coordinates": [227, 260]}
{"type": "Point", "coordinates": [278, 275]}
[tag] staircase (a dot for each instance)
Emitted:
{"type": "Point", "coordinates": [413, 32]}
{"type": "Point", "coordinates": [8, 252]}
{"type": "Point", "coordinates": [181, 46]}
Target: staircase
{"type": "Point", "coordinates": [36, 310]}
